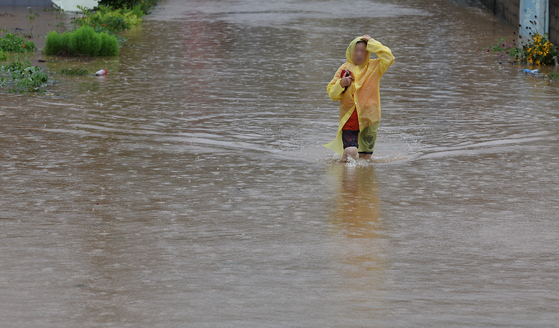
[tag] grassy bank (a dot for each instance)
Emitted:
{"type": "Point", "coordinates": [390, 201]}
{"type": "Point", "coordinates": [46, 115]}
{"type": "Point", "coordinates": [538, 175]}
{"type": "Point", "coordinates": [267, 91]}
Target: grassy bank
{"type": "Point", "coordinates": [94, 33]}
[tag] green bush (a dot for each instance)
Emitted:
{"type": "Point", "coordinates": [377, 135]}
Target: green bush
{"type": "Point", "coordinates": [53, 44]}
{"type": "Point", "coordinates": [109, 45]}
{"type": "Point", "coordinates": [107, 19]}
{"type": "Point", "coordinates": [139, 5]}
{"type": "Point", "coordinates": [83, 41]}
{"type": "Point", "coordinates": [65, 40]}
{"type": "Point", "coordinates": [11, 43]}
{"type": "Point", "coordinates": [3, 56]}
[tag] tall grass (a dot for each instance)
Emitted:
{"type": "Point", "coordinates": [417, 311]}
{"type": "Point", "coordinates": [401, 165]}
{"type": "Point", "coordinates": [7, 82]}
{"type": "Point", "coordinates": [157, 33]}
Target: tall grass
{"type": "Point", "coordinates": [83, 41]}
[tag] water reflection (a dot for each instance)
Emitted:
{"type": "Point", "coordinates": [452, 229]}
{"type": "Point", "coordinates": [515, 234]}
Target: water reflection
{"type": "Point", "coordinates": [357, 204]}
{"type": "Point", "coordinates": [355, 227]}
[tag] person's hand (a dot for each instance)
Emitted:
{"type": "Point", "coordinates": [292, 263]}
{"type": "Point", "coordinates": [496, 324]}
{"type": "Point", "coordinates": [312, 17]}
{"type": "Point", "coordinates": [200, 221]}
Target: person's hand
{"type": "Point", "coordinates": [346, 81]}
{"type": "Point", "coordinates": [366, 37]}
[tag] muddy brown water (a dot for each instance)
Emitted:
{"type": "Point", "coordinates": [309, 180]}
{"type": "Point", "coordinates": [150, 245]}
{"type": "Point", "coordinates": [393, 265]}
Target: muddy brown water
{"type": "Point", "coordinates": [189, 187]}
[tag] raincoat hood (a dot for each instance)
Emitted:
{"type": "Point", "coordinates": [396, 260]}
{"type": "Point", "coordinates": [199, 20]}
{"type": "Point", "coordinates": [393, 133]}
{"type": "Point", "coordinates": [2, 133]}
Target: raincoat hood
{"type": "Point", "coordinates": [349, 51]}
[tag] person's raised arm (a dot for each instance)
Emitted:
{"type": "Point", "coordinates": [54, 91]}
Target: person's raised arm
{"type": "Point", "coordinates": [382, 52]}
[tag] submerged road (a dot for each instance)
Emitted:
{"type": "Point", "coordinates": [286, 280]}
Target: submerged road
{"type": "Point", "coordinates": [190, 188]}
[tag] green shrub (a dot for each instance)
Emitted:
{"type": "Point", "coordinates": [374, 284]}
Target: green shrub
{"type": "Point", "coordinates": [11, 43]}
{"type": "Point", "coordinates": [52, 44]}
{"type": "Point", "coordinates": [65, 41]}
{"type": "Point", "coordinates": [109, 45]}
{"type": "Point", "coordinates": [83, 41]}
{"type": "Point", "coordinates": [3, 56]}
{"type": "Point", "coordinates": [142, 6]}
{"type": "Point", "coordinates": [57, 42]}
{"type": "Point", "coordinates": [107, 19]}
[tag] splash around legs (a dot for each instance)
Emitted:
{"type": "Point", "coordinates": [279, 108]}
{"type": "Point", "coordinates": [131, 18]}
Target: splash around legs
{"type": "Point", "coordinates": [350, 152]}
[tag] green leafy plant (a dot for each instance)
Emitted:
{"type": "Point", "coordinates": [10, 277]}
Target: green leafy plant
{"type": "Point", "coordinates": [83, 41]}
{"type": "Point", "coordinates": [21, 76]}
{"type": "Point", "coordinates": [107, 19]}
{"type": "Point", "coordinates": [11, 43]}
{"type": "Point", "coordinates": [537, 51]}
{"type": "Point", "coordinates": [74, 71]}
{"type": "Point", "coordinates": [3, 55]}
{"type": "Point", "coordinates": [142, 6]}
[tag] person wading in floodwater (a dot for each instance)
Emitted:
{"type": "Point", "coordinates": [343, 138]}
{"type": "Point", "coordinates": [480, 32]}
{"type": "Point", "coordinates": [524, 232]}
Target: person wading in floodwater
{"type": "Point", "coordinates": [356, 85]}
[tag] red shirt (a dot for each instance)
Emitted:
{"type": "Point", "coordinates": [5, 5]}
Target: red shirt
{"type": "Point", "coordinates": [353, 122]}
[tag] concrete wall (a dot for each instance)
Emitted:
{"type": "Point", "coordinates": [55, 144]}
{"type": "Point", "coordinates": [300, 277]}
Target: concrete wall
{"type": "Point", "coordinates": [509, 10]}
{"type": "Point", "coordinates": [490, 4]}
{"type": "Point", "coordinates": [506, 9]}
{"type": "Point", "coordinates": [29, 3]}
{"type": "Point", "coordinates": [554, 22]}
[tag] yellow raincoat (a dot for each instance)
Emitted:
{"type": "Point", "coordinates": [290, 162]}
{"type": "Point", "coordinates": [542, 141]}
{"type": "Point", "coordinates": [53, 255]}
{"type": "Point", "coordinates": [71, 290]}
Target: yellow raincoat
{"type": "Point", "coordinates": [362, 95]}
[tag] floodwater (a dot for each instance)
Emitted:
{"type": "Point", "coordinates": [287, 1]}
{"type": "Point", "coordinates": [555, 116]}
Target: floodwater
{"type": "Point", "coordinates": [189, 187]}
